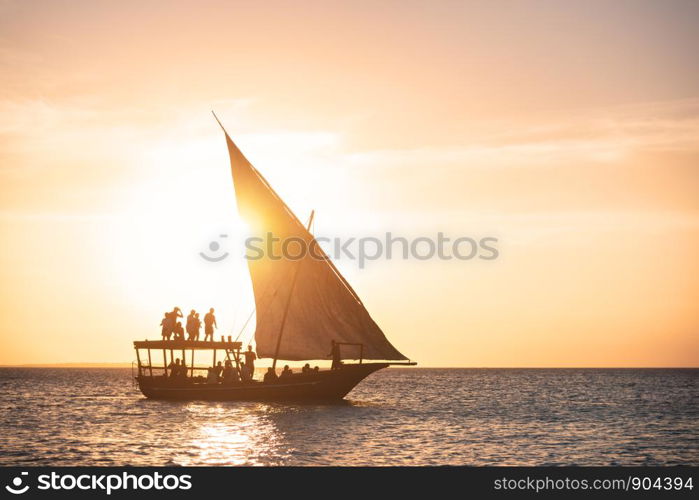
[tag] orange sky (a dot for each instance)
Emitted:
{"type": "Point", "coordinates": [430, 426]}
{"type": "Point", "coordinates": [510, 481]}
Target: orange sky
{"type": "Point", "coordinates": [569, 130]}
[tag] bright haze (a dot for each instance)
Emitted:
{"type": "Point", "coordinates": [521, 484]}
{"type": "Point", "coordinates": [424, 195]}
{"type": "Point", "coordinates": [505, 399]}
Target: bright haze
{"type": "Point", "coordinates": [567, 130]}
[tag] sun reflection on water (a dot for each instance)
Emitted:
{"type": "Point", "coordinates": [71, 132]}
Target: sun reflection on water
{"type": "Point", "coordinates": [231, 434]}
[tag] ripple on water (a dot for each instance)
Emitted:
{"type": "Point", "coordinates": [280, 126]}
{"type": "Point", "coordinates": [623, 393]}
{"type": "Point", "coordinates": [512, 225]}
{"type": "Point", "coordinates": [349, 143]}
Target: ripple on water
{"type": "Point", "coordinates": [397, 416]}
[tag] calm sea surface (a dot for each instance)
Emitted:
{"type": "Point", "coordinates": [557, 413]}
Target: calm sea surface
{"type": "Point", "coordinates": [397, 416]}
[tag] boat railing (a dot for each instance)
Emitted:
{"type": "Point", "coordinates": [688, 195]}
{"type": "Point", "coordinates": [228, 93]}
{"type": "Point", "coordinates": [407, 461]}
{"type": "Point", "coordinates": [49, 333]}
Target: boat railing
{"type": "Point", "coordinates": [361, 348]}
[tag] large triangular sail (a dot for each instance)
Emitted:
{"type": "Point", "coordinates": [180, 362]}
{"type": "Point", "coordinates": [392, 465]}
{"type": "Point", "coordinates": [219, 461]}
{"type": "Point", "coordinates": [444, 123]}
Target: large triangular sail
{"type": "Point", "coordinates": [307, 296]}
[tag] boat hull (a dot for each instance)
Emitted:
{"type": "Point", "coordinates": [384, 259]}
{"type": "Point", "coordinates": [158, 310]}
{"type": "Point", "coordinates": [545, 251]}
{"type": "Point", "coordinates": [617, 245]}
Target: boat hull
{"type": "Point", "coordinates": [331, 385]}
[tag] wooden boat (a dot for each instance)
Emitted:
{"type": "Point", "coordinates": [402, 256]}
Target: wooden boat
{"type": "Point", "coordinates": [303, 306]}
{"type": "Point", "coordinates": [324, 385]}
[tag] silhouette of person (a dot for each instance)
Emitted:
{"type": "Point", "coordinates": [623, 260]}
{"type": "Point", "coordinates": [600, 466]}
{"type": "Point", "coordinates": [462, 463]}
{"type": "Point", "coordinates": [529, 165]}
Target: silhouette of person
{"type": "Point", "coordinates": [169, 322]}
{"type": "Point", "coordinates": [209, 324]}
{"type": "Point", "coordinates": [306, 369]}
{"type": "Point", "coordinates": [270, 377]}
{"type": "Point", "coordinates": [167, 328]}
{"type": "Point", "coordinates": [218, 369]}
{"type": "Point", "coordinates": [286, 372]}
{"type": "Point", "coordinates": [245, 374]}
{"type": "Point", "coordinates": [228, 373]}
{"type": "Point", "coordinates": [191, 322]}
{"type": "Point", "coordinates": [336, 357]}
{"type": "Point", "coordinates": [174, 368]}
{"type": "Point", "coordinates": [197, 326]}
{"type": "Point", "coordinates": [250, 358]}
{"type": "Point", "coordinates": [179, 331]}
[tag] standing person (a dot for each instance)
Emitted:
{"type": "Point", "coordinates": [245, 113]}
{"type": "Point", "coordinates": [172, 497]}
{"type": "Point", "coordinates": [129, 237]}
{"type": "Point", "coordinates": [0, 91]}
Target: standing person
{"type": "Point", "coordinates": [209, 324]}
{"type": "Point", "coordinates": [244, 372]}
{"type": "Point", "coordinates": [174, 314]}
{"type": "Point", "coordinates": [191, 321]}
{"type": "Point", "coordinates": [197, 326]}
{"type": "Point", "coordinates": [172, 320]}
{"type": "Point", "coordinates": [250, 358]}
{"type": "Point", "coordinates": [336, 357]}
{"type": "Point", "coordinates": [167, 328]}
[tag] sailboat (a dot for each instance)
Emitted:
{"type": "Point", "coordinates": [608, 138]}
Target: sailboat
{"type": "Point", "coordinates": [305, 310]}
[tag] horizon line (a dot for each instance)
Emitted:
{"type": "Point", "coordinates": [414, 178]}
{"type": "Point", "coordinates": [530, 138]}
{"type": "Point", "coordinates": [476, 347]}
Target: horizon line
{"type": "Point", "coordinates": [120, 364]}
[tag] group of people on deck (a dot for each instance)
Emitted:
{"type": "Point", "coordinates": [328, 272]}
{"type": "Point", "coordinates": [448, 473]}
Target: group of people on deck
{"type": "Point", "coordinates": [271, 375]}
{"type": "Point", "coordinates": [177, 370]}
{"type": "Point", "coordinates": [219, 373]}
{"type": "Point", "coordinates": [226, 373]}
{"type": "Point", "coordinates": [173, 328]}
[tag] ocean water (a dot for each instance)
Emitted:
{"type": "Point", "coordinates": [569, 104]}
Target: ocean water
{"type": "Point", "coordinates": [395, 417]}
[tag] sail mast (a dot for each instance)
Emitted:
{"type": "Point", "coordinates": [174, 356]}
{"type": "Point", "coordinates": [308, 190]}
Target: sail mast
{"type": "Point", "coordinates": [288, 299]}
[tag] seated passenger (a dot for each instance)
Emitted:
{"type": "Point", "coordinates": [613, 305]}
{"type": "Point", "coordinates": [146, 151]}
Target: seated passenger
{"type": "Point", "coordinates": [229, 375]}
{"type": "Point", "coordinates": [306, 369]}
{"type": "Point", "coordinates": [179, 331]}
{"type": "Point", "coordinates": [174, 368]}
{"type": "Point", "coordinates": [286, 372]}
{"type": "Point", "coordinates": [218, 369]}
{"type": "Point", "coordinates": [316, 369]}
{"type": "Point", "coordinates": [211, 377]}
{"type": "Point", "coordinates": [245, 374]}
{"type": "Point", "coordinates": [270, 377]}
